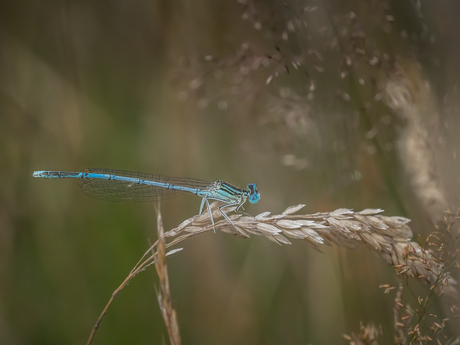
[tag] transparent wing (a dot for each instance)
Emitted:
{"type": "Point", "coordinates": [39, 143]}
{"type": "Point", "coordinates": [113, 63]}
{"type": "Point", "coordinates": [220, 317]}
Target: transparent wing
{"type": "Point", "coordinates": [115, 190]}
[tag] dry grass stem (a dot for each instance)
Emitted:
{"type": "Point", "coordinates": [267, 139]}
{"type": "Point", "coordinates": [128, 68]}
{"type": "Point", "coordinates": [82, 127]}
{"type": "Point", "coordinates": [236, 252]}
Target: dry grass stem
{"type": "Point", "coordinates": [403, 316]}
{"type": "Point", "coordinates": [147, 259]}
{"type": "Point", "coordinates": [422, 324]}
{"type": "Point", "coordinates": [164, 295]}
{"type": "Point", "coordinates": [388, 236]}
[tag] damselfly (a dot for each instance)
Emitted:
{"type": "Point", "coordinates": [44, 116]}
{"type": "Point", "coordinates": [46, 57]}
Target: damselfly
{"type": "Point", "coordinates": [119, 185]}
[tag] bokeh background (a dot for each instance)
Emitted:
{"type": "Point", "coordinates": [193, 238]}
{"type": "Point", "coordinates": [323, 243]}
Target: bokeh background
{"type": "Point", "coordinates": [327, 103]}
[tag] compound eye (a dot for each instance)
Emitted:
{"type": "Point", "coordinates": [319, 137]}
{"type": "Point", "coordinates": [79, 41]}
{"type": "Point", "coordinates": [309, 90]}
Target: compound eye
{"type": "Point", "coordinates": [254, 198]}
{"type": "Point", "coordinates": [254, 195]}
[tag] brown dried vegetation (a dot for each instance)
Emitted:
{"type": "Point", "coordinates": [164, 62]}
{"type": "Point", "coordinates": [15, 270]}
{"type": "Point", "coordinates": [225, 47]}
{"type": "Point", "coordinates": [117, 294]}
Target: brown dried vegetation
{"type": "Point", "coordinates": [429, 263]}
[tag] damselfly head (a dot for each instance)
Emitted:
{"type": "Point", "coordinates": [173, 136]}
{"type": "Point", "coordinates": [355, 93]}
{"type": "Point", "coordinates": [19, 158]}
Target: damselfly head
{"type": "Point", "coordinates": [254, 195]}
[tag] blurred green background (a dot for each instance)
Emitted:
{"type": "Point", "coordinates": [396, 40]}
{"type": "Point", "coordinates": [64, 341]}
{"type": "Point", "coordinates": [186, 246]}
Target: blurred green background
{"type": "Point", "coordinates": [358, 112]}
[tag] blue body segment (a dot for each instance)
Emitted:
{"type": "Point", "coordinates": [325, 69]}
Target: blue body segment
{"type": "Point", "coordinates": [120, 185]}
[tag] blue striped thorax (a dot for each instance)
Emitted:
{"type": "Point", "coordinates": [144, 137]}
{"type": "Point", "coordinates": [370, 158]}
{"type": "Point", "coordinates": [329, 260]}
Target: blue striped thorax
{"type": "Point", "coordinates": [226, 192]}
